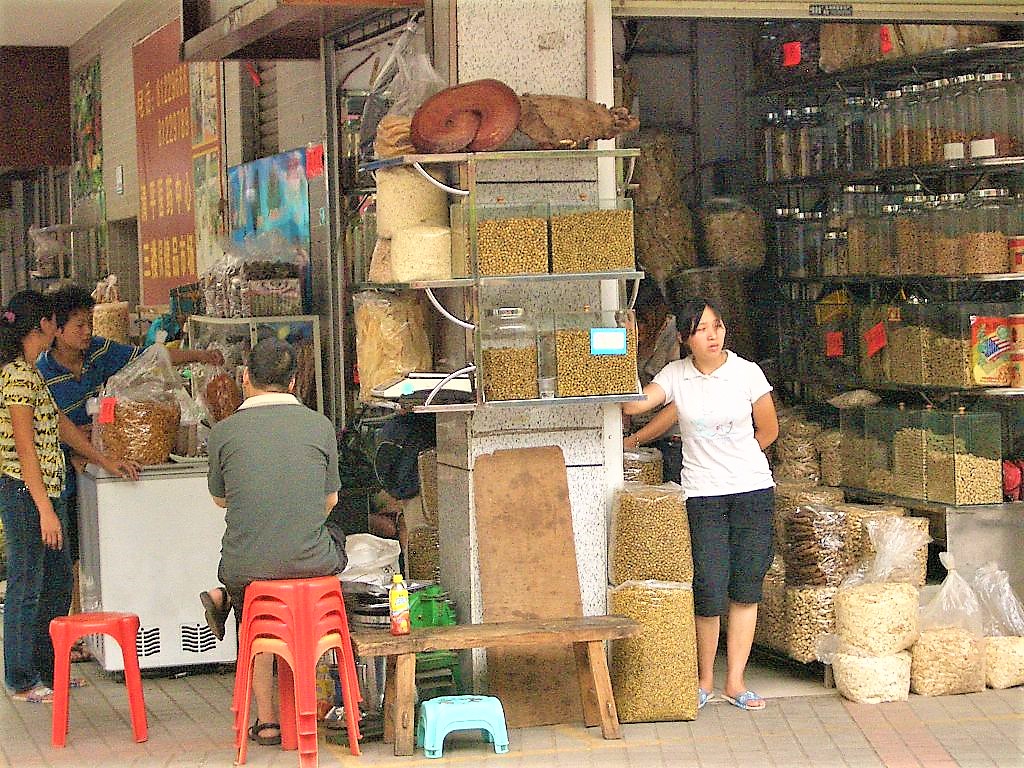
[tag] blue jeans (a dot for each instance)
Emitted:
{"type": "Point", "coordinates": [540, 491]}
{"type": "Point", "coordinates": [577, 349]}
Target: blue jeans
{"type": "Point", "coordinates": [39, 588]}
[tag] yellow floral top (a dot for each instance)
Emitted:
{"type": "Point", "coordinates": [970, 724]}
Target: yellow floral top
{"type": "Point", "coordinates": [21, 384]}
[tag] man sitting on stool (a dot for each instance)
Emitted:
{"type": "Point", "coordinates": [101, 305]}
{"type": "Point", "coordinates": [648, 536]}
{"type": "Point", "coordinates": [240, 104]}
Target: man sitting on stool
{"type": "Point", "coordinates": [274, 467]}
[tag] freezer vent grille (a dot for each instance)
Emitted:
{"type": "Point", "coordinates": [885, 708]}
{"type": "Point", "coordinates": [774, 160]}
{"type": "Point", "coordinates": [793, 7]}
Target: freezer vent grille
{"type": "Point", "coordinates": [147, 641]}
{"type": "Point", "coordinates": [197, 638]}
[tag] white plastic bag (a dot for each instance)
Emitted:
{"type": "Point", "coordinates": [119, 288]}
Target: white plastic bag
{"type": "Point", "coordinates": [371, 559]}
{"type": "Point", "coordinates": [1002, 611]}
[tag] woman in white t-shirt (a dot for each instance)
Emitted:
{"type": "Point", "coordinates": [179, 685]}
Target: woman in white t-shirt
{"type": "Point", "coordinates": [726, 420]}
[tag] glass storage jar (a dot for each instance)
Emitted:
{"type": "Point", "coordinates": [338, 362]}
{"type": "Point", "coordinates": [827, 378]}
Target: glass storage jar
{"type": "Point", "coordinates": [834, 260]}
{"type": "Point", "coordinates": [810, 142]}
{"type": "Point", "coordinates": [880, 248]}
{"type": "Point", "coordinates": [872, 352]}
{"type": "Point", "coordinates": [945, 224]}
{"type": "Point", "coordinates": [912, 237]}
{"type": "Point", "coordinates": [592, 238]}
{"type": "Point", "coordinates": [963, 118]}
{"type": "Point", "coordinates": [915, 151]}
{"type": "Point", "coordinates": [964, 457]}
{"type": "Point", "coordinates": [810, 234]}
{"type": "Point", "coordinates": [888, 127]}
{"type": "Point", "coordinates": [993, 102]}
{"type": "Point", "coordinates": [848, 146]}
{"type": "Point", "coordinates": [508, 345]}
{"type": "Point", "coordinates": [983, 237]}
{"type": "Point", "coordinates": [783, 238]}
{"type": "Point", "coordinates": [768, 129]}
{"type": "Point", "coordinates": [857, 244]}
{"type": "Point", "coordinates": [786, 141]}
{"type": "Point", "coordinates": [906, 339]}
{"type": "Point", "coordinates": [937, 115]}
{"type": "Point", "coordinates": [595, 353]}
{"type": "Point", "coordinates": [861, 199]}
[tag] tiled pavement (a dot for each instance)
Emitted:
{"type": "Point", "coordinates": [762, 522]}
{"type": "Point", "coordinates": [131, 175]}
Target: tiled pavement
{"type": "Point", "coordinates": [189, 725]}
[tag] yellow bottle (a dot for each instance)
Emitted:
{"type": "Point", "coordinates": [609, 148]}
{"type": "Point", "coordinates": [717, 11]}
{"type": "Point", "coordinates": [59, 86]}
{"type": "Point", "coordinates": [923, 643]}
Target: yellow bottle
{"type": "Point", "coordinates": [398, 601]}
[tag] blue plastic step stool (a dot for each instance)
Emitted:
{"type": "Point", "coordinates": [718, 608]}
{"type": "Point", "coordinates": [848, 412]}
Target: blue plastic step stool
{"type": "Point", "coordinates": [441, 716]}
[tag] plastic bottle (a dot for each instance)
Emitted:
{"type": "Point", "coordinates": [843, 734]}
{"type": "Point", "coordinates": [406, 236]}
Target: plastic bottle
{"type": "Point", "coordinates": [398, 601]}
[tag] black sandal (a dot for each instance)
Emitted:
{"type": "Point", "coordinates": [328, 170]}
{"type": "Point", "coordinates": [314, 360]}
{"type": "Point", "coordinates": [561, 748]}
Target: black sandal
{"type": "Point", "coordinates": [216, 615]}
{"type": "Point", "coordinates": [257, 729]}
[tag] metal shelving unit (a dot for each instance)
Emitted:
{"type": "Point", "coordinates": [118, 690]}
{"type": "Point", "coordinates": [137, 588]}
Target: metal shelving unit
{"type": "Point", "coordinates": [473, 283]}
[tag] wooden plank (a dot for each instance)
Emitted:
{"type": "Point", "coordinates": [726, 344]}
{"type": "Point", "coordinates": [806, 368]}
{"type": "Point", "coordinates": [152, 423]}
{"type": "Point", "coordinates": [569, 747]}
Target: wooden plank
{"type": "Point", "coordinates": [588, 690]}
{"type": "Point", "coordinates": [603, 686]}
{"type": "Point", "coordinates": [403, 708]}
{"type": "Point", "coordinates": [528, 571]}
{"type": "Point", "coordinates": [369, 642]}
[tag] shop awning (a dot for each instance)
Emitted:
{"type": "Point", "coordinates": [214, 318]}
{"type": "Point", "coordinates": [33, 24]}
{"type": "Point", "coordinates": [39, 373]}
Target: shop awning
{"type": "Point", "coordinates": [264, 30]}
{"type": "Point", "coordinates": [908, 10]}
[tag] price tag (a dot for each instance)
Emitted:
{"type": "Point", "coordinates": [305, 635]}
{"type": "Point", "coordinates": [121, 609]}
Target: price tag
{"type": "Point", "coordinates": [885, 38]}
{"type": "Point", "coordinates": [834, 344]}
{"type": "Point", "coordinates": [315, 161]}
{"type": "Point", "coordinates": [608, 341]}
{"type": "Point", "coordinates": [875, 339]}
{"type": "Point", "coordinates": [791, 54]}
{"type": "Point", "coordinates": [107, 410]}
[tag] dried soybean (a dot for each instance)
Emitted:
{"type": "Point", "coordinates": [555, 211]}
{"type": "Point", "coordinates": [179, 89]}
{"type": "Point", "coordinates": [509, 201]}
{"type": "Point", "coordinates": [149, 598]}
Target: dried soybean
{"type": "Point", "coordinates": [650, 535]}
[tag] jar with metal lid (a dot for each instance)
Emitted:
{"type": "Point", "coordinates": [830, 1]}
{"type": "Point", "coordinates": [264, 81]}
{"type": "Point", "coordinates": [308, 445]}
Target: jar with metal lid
{"type": "Point", "coordinates": [834, 251]}
{"type": "Point", "coordinates": [881, 251]}
{"type": "Point", "coordinates": [848, 135]}
{"type": "Point", "coordinates": [780, 238]}
{"type": "Point", "coordinates": [963, 118]}
{"type": "Point", "coordinates": [810, 234]}
{"type": "Point", "coordinates": [508, 344]}
{"type": "Point", "coordinates": [785, 143]}
{"type": "Point", "coordinates": [937, 115]}
{"type": "Point", "coordinates": [946, 225]}
{"type": "Point", "coordinates": [983, 240]}
{"type": "Point", "coordinates": [811, 142]}
{"type": "Point", "coordinates": [915, 125]}
{"type": "Point", "coordinates": [768, 129]}
{"type": "Point", "coordinates": [894, 194]}
{"type": "Point", "coordinates": [888, 126]}
{"type": "Point", "coordinates": [872, 134]}
{"type": "Point", "coordinates": [992, 102]}
{"type": "Point", "coordinates": [856, 245]}
{"type": "Point", "coordinates": [912, 237]}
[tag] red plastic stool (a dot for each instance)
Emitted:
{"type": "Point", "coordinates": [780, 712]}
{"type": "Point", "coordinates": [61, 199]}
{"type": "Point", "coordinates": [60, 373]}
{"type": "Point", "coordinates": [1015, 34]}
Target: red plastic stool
{"type": "Point", "coordinates": [297, 619]}
{"type": "Point", "coordinates": [64, 631]}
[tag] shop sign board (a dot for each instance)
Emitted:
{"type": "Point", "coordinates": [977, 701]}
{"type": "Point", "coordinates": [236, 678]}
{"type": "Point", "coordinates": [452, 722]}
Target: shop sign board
{"type": "Point", "coordinates": [178, 128]}
{"type": "Point", "coordinates": [908, 10]}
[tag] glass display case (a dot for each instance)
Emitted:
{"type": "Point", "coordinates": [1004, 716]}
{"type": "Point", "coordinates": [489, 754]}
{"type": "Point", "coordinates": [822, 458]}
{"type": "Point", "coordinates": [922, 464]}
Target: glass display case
{"type": "Point", "coordinates": [592, 237]}
{"type": "Point", "coordinates": [595, 354]}
{"type": "Point", "coordinates": [908, 453]}
{"type": "Point", "coordinates": [964, 457]}
{"type": "Point", "coordinates": [510, 240]}
{"type": "Point", "coordinates": [967, 345]}
{"type": "Point", "coordinates": [508, 345]}
{"type": "Point", "coordinates": [906, 341]}
{"type": "Point", "coordinates": [236, 336]}
{"type": "Point", "coordinates": [872, 350]}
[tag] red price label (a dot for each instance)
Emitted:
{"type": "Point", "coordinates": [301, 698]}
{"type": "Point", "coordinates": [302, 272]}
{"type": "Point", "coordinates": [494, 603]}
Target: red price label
{"type": "Point", "coordinates": [885, 38]}
{"type": "Point", "coordinates": [107, 410]}
{"type": "Point", "coordinates": [875, 339]}
{"type": "Point", "coordinates": [315, 161]}
{"type": "Point", "coordinates": [834, 344]}
{"type": "Point", "coordinates": [791, 54]}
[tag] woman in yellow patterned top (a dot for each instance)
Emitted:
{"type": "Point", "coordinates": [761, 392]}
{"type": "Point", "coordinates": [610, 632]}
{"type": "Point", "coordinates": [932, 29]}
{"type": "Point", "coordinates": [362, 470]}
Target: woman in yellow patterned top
{"type": "Point", "coordinates": [31, 477]}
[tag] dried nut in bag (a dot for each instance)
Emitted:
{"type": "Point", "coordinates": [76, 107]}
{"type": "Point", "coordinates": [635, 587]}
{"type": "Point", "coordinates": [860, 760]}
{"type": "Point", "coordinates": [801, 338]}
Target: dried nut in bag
{"type": "Point", "coordinates": [142, 431]}
{"type": "Point", "coordinates": [829, 445]}
{"type": "Point", "coordinates": [1004, 662]}
{"type": "Point", "coordinates": [222, 397]}
{"type": "Point", "coordinates": [789, 495]}
{"type": "Point", "coordinates": [947, 661]}
{"type": "Point", "coordinates": [654, 673]}
{"type": "Point", "coordinates": [917, 576]}
{"type": "Point", "coordinates": [650, 535]}
{"type": "Point", "coordinates": [642, 465]}
{"type": "Point", "coordinates": [872, 679]}
{"type": "Point", "coordinates": [810, 613]}
{"type": "Point", "coordinates": [857, 515]}
{"type": "Point", "coordinates": [815, 549]}
{"type": "Point", "coordinates": [879, 618]}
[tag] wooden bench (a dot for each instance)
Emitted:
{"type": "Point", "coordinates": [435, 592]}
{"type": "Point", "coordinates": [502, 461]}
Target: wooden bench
{"type": "Point", "coordinates": [586, 634]}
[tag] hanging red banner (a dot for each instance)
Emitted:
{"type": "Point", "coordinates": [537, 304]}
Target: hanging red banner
{"type": "Point", "coordinates": [167, 133]}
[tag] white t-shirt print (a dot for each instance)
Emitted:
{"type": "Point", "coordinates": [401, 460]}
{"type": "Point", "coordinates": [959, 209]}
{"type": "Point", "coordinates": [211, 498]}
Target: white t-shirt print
{"type": "Point", "coordinates": [720, 454]}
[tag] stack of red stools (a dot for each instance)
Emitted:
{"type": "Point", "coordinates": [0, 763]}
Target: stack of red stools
{"type": "Point", "coordinates": [298, 620]}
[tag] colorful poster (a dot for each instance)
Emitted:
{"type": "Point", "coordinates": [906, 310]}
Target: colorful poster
{"type": "Point", "coordinates": [87, 129]}
{"type": "Point", "coordinates": [269, 202]}
{"type": "Point", "coordinates": [208, 170]}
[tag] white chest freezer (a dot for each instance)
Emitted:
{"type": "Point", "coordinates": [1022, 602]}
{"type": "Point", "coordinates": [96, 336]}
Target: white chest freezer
{"type": "Point", "coordinates": [150, 547]}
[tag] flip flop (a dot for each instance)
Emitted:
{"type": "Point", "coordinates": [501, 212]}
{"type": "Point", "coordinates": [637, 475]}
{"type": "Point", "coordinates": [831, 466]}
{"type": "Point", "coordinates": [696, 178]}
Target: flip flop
{"type": "Point", "coordinates": [257, 728]}
{"type": "Point", "coordinates": [747, 700]}
{"type": "Point", "coordinates": [216, 615]}
{"type": "Point", "coordinates": [37, 694]}
{"type": "Point", "coordinates": [77, 682]}
{"type": "Point", "coordinates": [703, 697]}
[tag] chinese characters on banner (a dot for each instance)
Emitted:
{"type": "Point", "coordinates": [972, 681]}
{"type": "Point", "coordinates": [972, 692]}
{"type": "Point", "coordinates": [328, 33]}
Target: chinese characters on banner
{"type": "Point", "coordinates": [178, 141]}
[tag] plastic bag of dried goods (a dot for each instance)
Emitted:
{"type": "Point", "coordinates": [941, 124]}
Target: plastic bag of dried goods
{"type": "Point", "coordinates": [642, 465]}
{"type": "Point", "coordinates": [654, 673]}
{"type": "Point", "coordinates": [863, 678]}
{"type": "Point", "coordinates": [949, 655]}
{"type": "Point", "coordinates": [650, 535]}
{"type": "Point", "coordinates": [391, 338]}
{"type": "Point", "coordinates": [815, 547]}
{"type": "Point", "coordinates": [1002, 611]}
{"type": "Point", "coordinates": [896, 542]}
